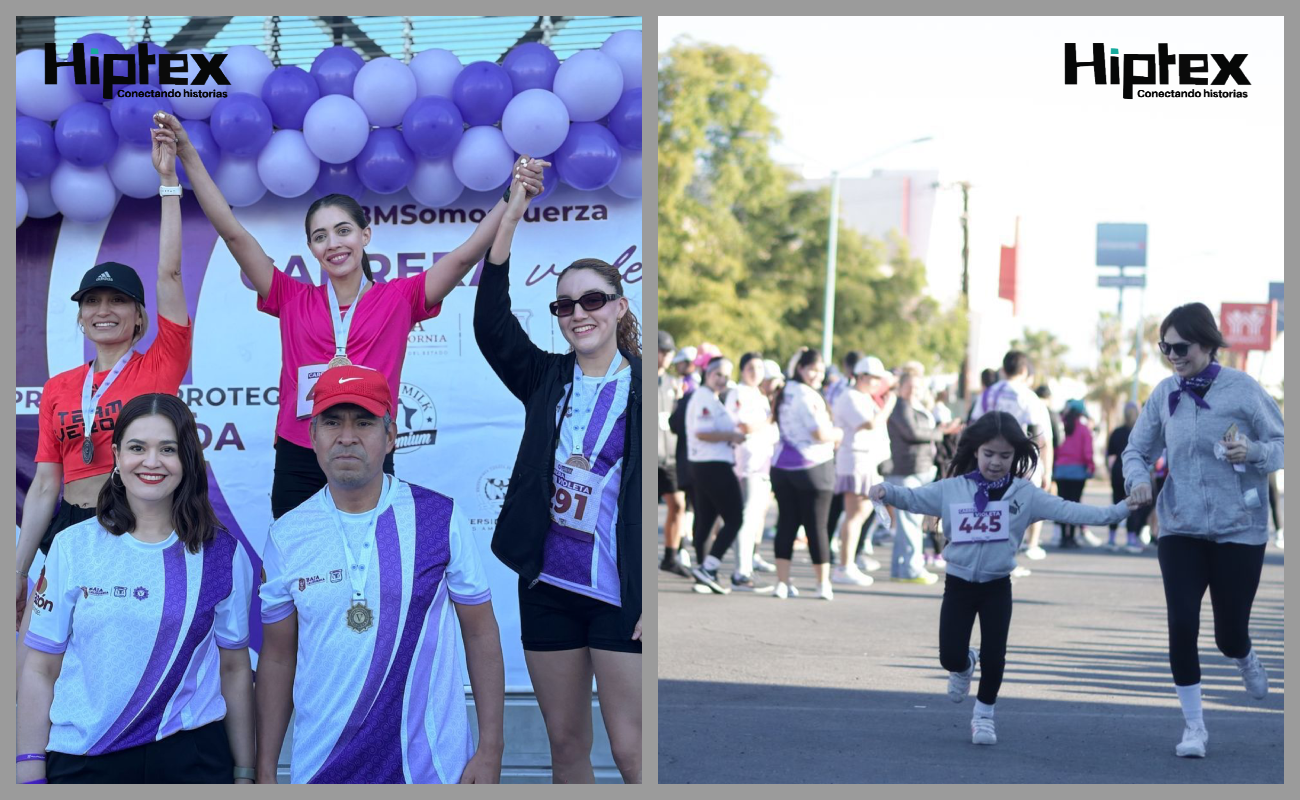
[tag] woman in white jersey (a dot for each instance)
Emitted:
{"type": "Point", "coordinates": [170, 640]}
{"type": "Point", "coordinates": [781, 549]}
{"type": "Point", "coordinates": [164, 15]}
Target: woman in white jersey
{"type": "Point", "coordinates": [752, 411]}
{"type": "Point", "coordinates": [855, 412]}
{"type": "Point", "coordinates": [139, 669]}
{"type": "Point", "coordinates": [711, 437]}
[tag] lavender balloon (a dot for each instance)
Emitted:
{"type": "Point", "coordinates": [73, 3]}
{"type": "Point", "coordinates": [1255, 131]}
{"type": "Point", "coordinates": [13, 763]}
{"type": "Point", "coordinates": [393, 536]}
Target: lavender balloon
{"type": "Point", "coordinates": [247, 69]}
{"type": "Point", "coordinates": [241, 124]}
{"type": "Point", "coordinates": [589, 83]}
{"type": "Point", "coordinates": [589, 156]}
{"type": "Point", "coordinates": [103, 45]}
{"type": "Point", "coordinates": [481, 92]}
{"type": "Point", "coordinates": [132, 172]}
{"type": "Point", "coordinates": [483, 160]}
{"type": "Point", "coordinates": [195, 107]}
{"type": "Point", "coordinates": [432, 127]}
{"type": "Point", "coordinates": [238, 180]}
{"type": "Point", "coordinates": [40, 204]}
{"type": "Point", "coordinates": [84, 135]}
{"type": "Point", "coordinates": [384, 88]}
{"type": "Point", "coordinates": [435, 72]}
{"type": "Point", "coordinates": [385, 164]}
{"type": "Point", "coordinates": [531, 65]}
{"type": "Point", "coordinates": [133, 116]}
{"type": "Point", "coordinates": [83, 194]}
{"type": "Point", "coordinates": [286, 165]}
{"type": "Point", "coordinates": [625, 120]}
{"type": "Point", "coordinates": [289, 91]}
{"type": "Point", "coordinates": [37, 155]}
{"type": "Point", "coordinates": [34, 97]}
{"type": "Point", "coordinates": [338, 179]}
{"type": "Point", "coordinates": [21, 201]}
{"type": "Point", "coordinates": [535, 121]}
{"type": "Point", "coordinates": [335, 70]}
{"type": "Point", "coordinates": [627, 178]}
{"type": "Point", "coordinates": [434, 183]}
{"type": "Point", "coordinates": [625, 48]}
{"type": "Point", "coordinates": [336, 128]}
{"type": "Point", "coordinates": [205, 144]}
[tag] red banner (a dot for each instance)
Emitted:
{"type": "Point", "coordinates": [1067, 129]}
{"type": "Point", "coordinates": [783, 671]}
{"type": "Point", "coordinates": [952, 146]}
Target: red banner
{"type": "Point", "coordinates": [1249, 326]}
{"type": "Point", "coordinates": [1007, 276]}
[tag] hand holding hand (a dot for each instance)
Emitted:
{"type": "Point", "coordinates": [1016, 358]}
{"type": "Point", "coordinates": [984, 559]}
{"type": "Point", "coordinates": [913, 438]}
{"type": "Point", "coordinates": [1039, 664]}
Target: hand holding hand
{"type": "Point", "coordinates": [529, 172]}
{"type": "Point", "coordinates": [1141, 496]}
{"type": "Point", "coordinates": [169, 122]}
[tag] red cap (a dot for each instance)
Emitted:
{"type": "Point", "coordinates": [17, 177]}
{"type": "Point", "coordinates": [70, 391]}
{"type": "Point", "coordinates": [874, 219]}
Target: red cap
{"type": "Point", "coordinates": [361, 386]}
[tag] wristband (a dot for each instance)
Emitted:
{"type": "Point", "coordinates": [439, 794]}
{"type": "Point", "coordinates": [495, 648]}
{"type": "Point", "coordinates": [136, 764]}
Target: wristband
{"type": "Point", "coordinates": [169, 191]}
{"type": "Point", "coordinates": [38, 780]}
{"type": "Point", "coordinates": [30, 757]}
{"type": "Point", "coordinates": [245, 772]}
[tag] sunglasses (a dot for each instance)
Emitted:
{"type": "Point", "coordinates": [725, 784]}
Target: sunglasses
{"type": "Point", "coordinates": [1179, 349]}
{"type": "Point", "coordinates": [591, 301]}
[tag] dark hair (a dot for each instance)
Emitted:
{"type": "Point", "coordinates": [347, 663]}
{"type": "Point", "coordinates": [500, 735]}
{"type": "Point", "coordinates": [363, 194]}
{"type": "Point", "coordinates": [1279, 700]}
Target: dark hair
{"type": "Point", "coordinates": [1070, 419]}
{"type": "Point", "coordinates": [629, 330]}
{"type": "Point", "coordinates": [1014, 363]}
{"type": "Point", "coordinates": [1195, 323]}
{"type": "Point", "coordinates": [353, 209]}
{"type": "Point", "coordinates": [1043, 392]}
{"type": "Point", "coordinates": [192, 514]}
{"type": "Point", "coordinates": [851, 359]}
{"type": "Point", "coordinates": [988, 377]}
{"type": "Point", "coordinates": [985, 429]}
{"type": "Point", "coordinates": [806, 357]}
{"type": "Point", "coordinates": [748, 357]}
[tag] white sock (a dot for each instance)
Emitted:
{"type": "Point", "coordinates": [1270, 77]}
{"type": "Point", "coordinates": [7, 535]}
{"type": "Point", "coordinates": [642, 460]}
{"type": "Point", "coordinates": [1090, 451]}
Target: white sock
{"type": "Point", "coordinates": [1243, 662]}
{"type": "Point", "coordinates": [711, 563]}
{"type": "Point", "coordinates": [982, 710]}
{"type": "Point", "coordinates": [1190, 699]}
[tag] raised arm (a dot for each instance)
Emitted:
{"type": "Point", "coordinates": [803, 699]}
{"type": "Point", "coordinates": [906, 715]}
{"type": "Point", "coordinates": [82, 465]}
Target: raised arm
{"type": "Point", "coordinates": [171, 291]}
{"type": "Point", "coordinates": [487, 680]}
{"type": "Point", "coordinates": [252, 260]}
{"type": "Point", "coordinates": [449, 270]}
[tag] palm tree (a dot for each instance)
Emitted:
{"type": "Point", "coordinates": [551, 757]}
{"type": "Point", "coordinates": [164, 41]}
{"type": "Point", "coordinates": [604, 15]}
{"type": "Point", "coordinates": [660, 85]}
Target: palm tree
{"type": "Point", "coordinates": [1108, 384]}
{"type": "Point", "coordinates": [1045, 353]}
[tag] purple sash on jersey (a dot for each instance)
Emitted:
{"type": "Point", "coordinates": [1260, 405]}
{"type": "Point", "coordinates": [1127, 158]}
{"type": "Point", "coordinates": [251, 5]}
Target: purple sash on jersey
{"type": "Point", "coordinates": [370, 748]}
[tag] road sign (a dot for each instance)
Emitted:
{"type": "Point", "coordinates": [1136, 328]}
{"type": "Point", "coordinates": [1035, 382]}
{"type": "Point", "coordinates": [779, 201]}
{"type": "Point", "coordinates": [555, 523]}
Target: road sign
{"type": "Point", "coordinates": [1121, 244]}
{"type": "Point", "coordinates": [1111, 281]}
{"type": "Point", "coordinates": [1248, 326]}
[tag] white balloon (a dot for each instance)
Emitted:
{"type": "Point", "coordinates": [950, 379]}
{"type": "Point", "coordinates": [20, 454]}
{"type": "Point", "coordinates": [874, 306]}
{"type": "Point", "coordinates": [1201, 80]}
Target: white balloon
{"type": "Point", "coordinates": [627, 178]}
{"type": "Point", "coordinates": [435, 71]}
{"type": "Point", "coordinates": [195, 107]}
{"type": "Point", "coordinates": [83, 194]}
{"type": "Point", "coordinates": [132, 171]}
{"type": "Point", "coordinates": [40, 203]}
{"type": "Point", "coordinates": [238, 180]}
{"type": "Point", "coordinates": [434, 183]}
{"type": "Point", "coordinates": [286, 165]}
{"type": "Point", "coordinates": [336, 128]}
{"type": "Point", "coordinates": [22, 202]}
{"type": "Point", "coordinates": [36, 98]}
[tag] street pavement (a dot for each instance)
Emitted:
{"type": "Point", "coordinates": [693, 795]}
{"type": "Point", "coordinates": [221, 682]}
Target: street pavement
{"type": "Point", "coordinates": [757, 690]}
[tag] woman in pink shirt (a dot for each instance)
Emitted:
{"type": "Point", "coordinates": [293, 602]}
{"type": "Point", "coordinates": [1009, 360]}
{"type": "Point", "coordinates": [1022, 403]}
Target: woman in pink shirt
{"type": "Point", "coordinates": [316, 324]}
{"type": "Point", "coordinates": [1073, 464]}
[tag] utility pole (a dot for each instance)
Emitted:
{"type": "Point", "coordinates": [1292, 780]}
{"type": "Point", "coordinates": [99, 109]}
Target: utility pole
{"type": "Point", "coordinates": [828, 318]}
{"type": "Point", "coordinates": [965, 282]}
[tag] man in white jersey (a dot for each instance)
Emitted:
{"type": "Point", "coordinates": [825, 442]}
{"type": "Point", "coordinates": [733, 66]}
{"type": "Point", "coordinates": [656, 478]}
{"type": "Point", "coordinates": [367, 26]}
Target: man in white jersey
{"type": "Point", "coordinates": [1014, 395]}
{"type": "Point", "coordinates": [364, 583]}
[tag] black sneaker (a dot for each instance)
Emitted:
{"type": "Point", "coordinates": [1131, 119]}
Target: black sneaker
{"type": "Point", "coordinates": [675, 567]}
{"type": "Point", "coordinates": [709, 578]}
{"type": "Point", "coordinates": [746, 583]}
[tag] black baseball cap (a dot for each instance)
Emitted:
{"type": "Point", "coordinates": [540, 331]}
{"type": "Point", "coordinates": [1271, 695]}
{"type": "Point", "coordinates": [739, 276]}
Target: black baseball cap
{"type": "Point", "coordinates": [112, 275]}
{"type": "Point", "coordinates": [666, 343]}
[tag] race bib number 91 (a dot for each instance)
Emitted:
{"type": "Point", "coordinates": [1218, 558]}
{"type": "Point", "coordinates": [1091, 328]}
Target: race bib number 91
{"type": "Point", "coordinates": [970, 525]}
{"type": "Point", "coordinates": [575, 502]}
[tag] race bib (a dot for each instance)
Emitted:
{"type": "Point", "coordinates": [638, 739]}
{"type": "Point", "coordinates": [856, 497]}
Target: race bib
{"type": "Point", "coordinates": [575, 503]}
{"type": "Point", "coordinates": [972, 526]}
{"type": "Point", "coordinates": [307, 377]}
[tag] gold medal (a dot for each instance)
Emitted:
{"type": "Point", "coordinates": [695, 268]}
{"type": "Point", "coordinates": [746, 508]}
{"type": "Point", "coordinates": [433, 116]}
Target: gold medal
{"type": "Point", "coordinates": [339, 361]}
{"type": "Point", "coordinates": [578, 461]}
{"type": "Point", "coordinates": [87, 451]}
{"type": "Point", "coordinates": [360, 617]}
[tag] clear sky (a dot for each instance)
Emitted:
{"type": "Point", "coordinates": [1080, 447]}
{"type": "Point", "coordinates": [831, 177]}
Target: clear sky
{"type": "Point", "coordinates": [1204, 173]}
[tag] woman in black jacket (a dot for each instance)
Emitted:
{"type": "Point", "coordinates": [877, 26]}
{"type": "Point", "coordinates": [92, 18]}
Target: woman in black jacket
{"type": "Point", "coordinates": [571, 521]}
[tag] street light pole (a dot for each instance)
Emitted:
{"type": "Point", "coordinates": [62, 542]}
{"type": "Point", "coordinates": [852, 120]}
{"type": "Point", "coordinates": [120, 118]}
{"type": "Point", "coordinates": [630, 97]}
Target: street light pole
{"type": "Point", "coordinates": [965, 283]}
{"type": "Point", "coordinates": [828, 318]}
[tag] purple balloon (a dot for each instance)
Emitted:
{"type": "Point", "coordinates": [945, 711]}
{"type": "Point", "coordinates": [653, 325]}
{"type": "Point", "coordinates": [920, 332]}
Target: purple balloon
{"type": "Point", "coordinates": [338, 179]}
{"type": "Point", "coordinates": [385, 163]}
{"type": "Point", "coordinates": [200, 134]}
{"type": "Point", "coordinates": [133, 116]}
{"type": "Point", "coordinates": [531, 65]}
{"type": "Point", "coordinates": [37, 155]}
{"type": "Point", "coordinates": [104, 45]}
{"type": "Point", "coordinates": [335, 69]}
{"type": "Point", "coordinates": [625, 120]}
{"type": "Point", "coordinates": [481, 92]}
{"type": "Point", "coordinates": [289, 91]}
{"type": "Point", "coordinates": [432, 126]}
{"type": "Point", "coordinates": [241, 124]}
{"type": "Point", "coordinates": [84, 135]}
{"type": "Point", "coordinates": [589, 156]}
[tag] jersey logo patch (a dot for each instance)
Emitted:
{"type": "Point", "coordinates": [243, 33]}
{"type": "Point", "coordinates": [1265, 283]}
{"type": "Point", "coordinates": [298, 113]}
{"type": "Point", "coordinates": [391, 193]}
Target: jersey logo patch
{"type": "Point", "coordinates": [336, 575]}
{"type": "Point", "coordinates": [140, 593]}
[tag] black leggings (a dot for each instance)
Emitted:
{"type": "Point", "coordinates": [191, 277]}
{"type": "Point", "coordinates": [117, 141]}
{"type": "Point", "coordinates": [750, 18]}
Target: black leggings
{"type": "Point", "coordinates": [717, 493]}
{"type": "Point", "coordinates": [803, 497]}
{"type": "Point", "coordinates": [1136, 519]}
{"type": "Point", "coordinates": [1069, 489]}
{"type": "Point", "coordinates": [1231, 571]}
{"type": "Point", "coordinates": [962, 602]}
{"type": "Point", "coordinates": [298, 476]}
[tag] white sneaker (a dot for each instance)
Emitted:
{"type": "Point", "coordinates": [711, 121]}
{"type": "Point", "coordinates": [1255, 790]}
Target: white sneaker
{"type": "Point", "coordinates": [684, 558]}
{"type": "Point", "coordinates": [1279, 539]}
{"type": "Point", "coordinates": [1021, 572]}
{"type": "Point", "coordinates": [1145, 535]}
{"type": "Point", "coordinates": [981, 731]}
{"type": "Point", "coordinates": [824, 591]}
{"type": "Point", "coordinates": [762, 565]}
{"type": "Point", "coordinates": [868, 564]}
{"type": "Point", "coordinates": [1255, 677]}
{"type": "Point", "coordinates": [784, 590]}
{"type": "Point", "coordinates": [1035, 553]}
{"type": "Point", "coordinates": [1193, 744]}
{"type": "Point", "coordinates": [850, 576]}
{"type": "Point", "coordinates": [1090, 539]}
{"type": "Point", "coordinates": [959, 682]}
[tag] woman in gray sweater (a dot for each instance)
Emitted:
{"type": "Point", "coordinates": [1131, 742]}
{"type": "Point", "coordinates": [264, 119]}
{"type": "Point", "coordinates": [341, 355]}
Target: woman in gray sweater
{"type": "Point", "coordinates": [1224, 436]}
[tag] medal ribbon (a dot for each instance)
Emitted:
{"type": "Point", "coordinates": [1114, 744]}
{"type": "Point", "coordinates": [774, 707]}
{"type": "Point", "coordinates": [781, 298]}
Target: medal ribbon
{"type": "Point", "coordinates": [342, 326]}
{"type": "Point", "coordinates": [88, 403]}
{"type": "Point", "coordinates": [357, 570]}
{"type": "Point", "coordinates": [603, 400]}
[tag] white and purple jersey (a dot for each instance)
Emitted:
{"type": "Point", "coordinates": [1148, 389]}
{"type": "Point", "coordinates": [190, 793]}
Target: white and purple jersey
{"type": "Point", "coordinates": [138, 625]}
{"type": "Point", "coordinates": [387, 704]}
{"type": "Point", "coordinates": [801, 414]}
{"type": "Point", "coordinates": [581, 552]}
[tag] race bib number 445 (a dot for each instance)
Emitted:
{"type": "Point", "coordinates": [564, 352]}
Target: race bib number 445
{"type": "Point", "coordinates": [970, 525]}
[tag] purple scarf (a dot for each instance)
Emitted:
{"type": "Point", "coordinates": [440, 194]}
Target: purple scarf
{"type": "Point", "coordinates": [1200, 380]}
{"type": "Point", "coordinates": [982, 494]}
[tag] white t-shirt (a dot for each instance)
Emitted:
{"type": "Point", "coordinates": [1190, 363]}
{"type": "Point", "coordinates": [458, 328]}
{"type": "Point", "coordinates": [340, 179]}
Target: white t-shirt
{"type": "Point", "coordinates": [850, 411]}
{"type": "Point", "coordinates": [1022, 403]}
{"type": "Point", "coordinates": [139, 625]}
{"type": "Point", "coordinates": [801, 412]}
{"type": "Point", "coordinates": [705, 413]}
{"type": "Point", "coordinates": [384, 705]}
{"type": "Point", "coordinates": [748, 406]}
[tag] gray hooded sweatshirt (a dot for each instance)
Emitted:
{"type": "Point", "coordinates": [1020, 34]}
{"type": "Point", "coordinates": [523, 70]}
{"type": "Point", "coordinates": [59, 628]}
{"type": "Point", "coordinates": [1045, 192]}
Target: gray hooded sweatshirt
{"type": "Point", "coordinates": [1204, 496]}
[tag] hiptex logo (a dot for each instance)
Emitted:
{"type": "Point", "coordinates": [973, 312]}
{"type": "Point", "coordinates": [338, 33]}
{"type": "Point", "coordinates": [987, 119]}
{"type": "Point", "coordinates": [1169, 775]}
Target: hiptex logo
{"type": "Point", "coordinates": [1192, 71]}
{"type": "Point", "coordinates": [172, 69]}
